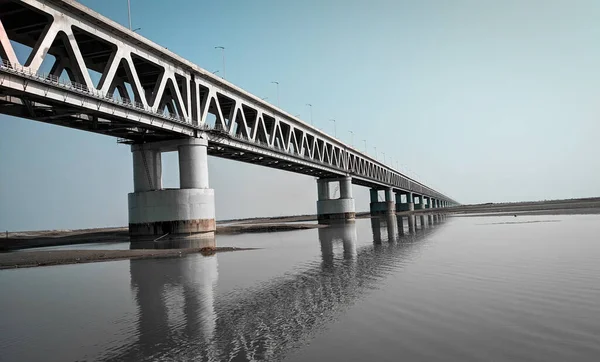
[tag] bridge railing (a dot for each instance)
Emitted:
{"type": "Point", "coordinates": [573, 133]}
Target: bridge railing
{"type": "Point", "coordinates": [51, 79]}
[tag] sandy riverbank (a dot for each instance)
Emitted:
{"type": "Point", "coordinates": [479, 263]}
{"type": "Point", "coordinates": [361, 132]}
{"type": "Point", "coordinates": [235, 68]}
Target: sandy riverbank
{"type": "Point", "coordinates": [32, 239]}
{"type": "Point", "coordinates": [550, 207]}
{"type": "Point", "coordinates": [60, 257]}
{"type": "Point", "coordinates": [44, 238]}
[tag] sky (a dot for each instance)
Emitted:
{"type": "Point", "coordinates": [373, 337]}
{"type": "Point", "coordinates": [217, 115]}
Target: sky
{"type": "Point", "coordinates": [485, 101]}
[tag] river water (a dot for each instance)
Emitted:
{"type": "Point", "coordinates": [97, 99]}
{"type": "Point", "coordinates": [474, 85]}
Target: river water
{"type": "Point", "coordinates": [455, 289]}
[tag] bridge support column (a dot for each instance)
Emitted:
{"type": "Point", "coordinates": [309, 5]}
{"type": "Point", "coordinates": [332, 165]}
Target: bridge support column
{"type": "Point", "coordinates": [404, 206]}
{"type": "Point", "coordinates": [382, 207]}
{"type": "Point", "coordinates": [419, 202]}
{"type": "Point", "coordinates": [335, 210]}
{"type": "Point", "coordinates": [179, 213]}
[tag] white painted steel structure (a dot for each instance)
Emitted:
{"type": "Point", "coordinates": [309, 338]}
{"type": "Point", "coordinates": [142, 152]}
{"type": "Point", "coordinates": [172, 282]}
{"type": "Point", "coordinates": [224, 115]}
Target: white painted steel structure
{"type": "Point", "coordinates": [124, 85]}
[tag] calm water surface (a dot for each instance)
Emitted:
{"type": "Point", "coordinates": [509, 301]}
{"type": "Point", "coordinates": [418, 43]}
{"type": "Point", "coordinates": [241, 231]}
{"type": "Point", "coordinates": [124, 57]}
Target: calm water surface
{"type": "Point", "coordinates": [460, 289]}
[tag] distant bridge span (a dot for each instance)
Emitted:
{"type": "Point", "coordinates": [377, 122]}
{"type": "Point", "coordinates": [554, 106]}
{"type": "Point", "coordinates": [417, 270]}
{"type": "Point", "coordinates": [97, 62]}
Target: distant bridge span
{"type": "Point", "coordinates": [123, 85]}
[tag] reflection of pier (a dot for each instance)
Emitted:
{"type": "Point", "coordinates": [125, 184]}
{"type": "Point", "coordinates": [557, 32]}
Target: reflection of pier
{"type": "Point", "coordinates": [180, 319]}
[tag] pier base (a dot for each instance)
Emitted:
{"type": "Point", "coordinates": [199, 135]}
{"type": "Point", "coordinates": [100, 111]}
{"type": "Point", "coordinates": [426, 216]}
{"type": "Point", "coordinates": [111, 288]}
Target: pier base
{"type": "Point", "coordinates": [338, 210]}
{"type": "Point", "coordinates": [187, 212]}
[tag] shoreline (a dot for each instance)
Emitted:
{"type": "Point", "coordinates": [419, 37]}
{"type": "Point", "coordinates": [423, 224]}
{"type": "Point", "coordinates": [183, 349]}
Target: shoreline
{"type": "Point", "coordinates": [33, 239]}
{"type": "Point", "coordinates": [46, 238]}
{"type": "Point", "coordinates": [64, 257]}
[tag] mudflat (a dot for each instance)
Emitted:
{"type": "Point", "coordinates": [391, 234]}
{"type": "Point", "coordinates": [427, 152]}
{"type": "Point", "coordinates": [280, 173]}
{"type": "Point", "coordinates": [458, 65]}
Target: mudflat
{"type": "Point", "coordinates": [43, 238]}
{"type": "Point", "coordinates": [58, 257]}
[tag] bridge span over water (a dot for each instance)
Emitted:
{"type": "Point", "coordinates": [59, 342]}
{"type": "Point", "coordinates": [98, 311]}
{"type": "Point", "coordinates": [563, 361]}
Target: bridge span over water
{"type": "Point", "coordinates": [88, 72]}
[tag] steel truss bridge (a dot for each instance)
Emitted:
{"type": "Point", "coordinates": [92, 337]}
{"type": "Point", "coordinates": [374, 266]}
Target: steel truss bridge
{"type": "Point", "coordinates": [123, 85]}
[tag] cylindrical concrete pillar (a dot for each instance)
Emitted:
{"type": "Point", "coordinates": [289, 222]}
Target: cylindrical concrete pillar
{"type": "Point", "coordinates": [346, 188]}
{"type": "Point", "coordinates": [389, 195]}
{"type": "Point", "coordinates": [193, 164]}
{"type": "Point", "coordinates": [335, 210]}
{"type": "Point", "coordinates": [173, 214]}
{"type": "Point", "coordinates": [323, 189]}
{"type": "Point", "coordinates": [147, 169]}
{"type": "Point", "coordinates": [382, 207]}
{"type": "Point", "coordinates": [403, 205]}
{"type": "Point", "coordinates": [374, 195]}
{"type": "Point", "coordinates": [398, 195]}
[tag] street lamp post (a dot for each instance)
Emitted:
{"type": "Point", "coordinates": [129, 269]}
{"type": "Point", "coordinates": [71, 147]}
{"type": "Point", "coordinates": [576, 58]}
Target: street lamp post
{"type": "Point", "coordinates": [311, 119]}
{"type": "Point", "coordinates": [383, 153]}
{"type": "Point", "coordinates": [375, 147]}
{"type": "Point", "coordinates": [223, 57]}
{"type": "Point", "coordinates": [129, 12]}
{"type": "Point", "coordinates": [352, 138]}
{"type": "Point", "coordinates": [277, 84]}
{"type": "Point", "coordinates": [334, 128]}
{"type": "Point", "coordinates": [365, 141]}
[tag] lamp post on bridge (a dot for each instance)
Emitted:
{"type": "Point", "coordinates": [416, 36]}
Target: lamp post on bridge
{"type": "Point", "coordinates": [334, 128]}
{"type": "Point", "coordinates": [129, 12]}
{"type": "Point", "coordinates": [352, 139]}
{"type": "Point", "coordinates": [223, 57]}
{"type": "Point", "coordinates": [311, 119]}
{"type": "Point", "coordinates": [277, 84]}
{"type": "Point", "coordinates": [375, 147]}
{"type": "Point", "coordinates": [365, 141]}
{"type": "Point", "coordinates": [383, 153]}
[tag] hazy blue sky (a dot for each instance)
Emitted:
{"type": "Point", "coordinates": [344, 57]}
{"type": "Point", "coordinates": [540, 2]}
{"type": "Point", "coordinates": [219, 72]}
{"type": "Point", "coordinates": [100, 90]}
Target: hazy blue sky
{"type": "Point", "coordinates": [484, 100]}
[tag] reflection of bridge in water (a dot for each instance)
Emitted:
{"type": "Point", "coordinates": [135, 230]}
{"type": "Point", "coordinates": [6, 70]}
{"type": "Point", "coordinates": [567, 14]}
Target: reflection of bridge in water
{"type": "Point", "coordinates": [179, 317]}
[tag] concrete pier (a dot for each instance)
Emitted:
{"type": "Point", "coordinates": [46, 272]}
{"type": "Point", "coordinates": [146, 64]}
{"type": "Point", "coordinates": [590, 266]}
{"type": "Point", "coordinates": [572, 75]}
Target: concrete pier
{"type": "Point", "coordinates": [185, 212]}
{"type": "Point", "coordinates": [404, 205]}
{"type": "Point", "coordinates": [335, 210]}
{"type": "Point", "coordinates": [418, 202]}
{"type": "Point", "coordinates": [382, 207]}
